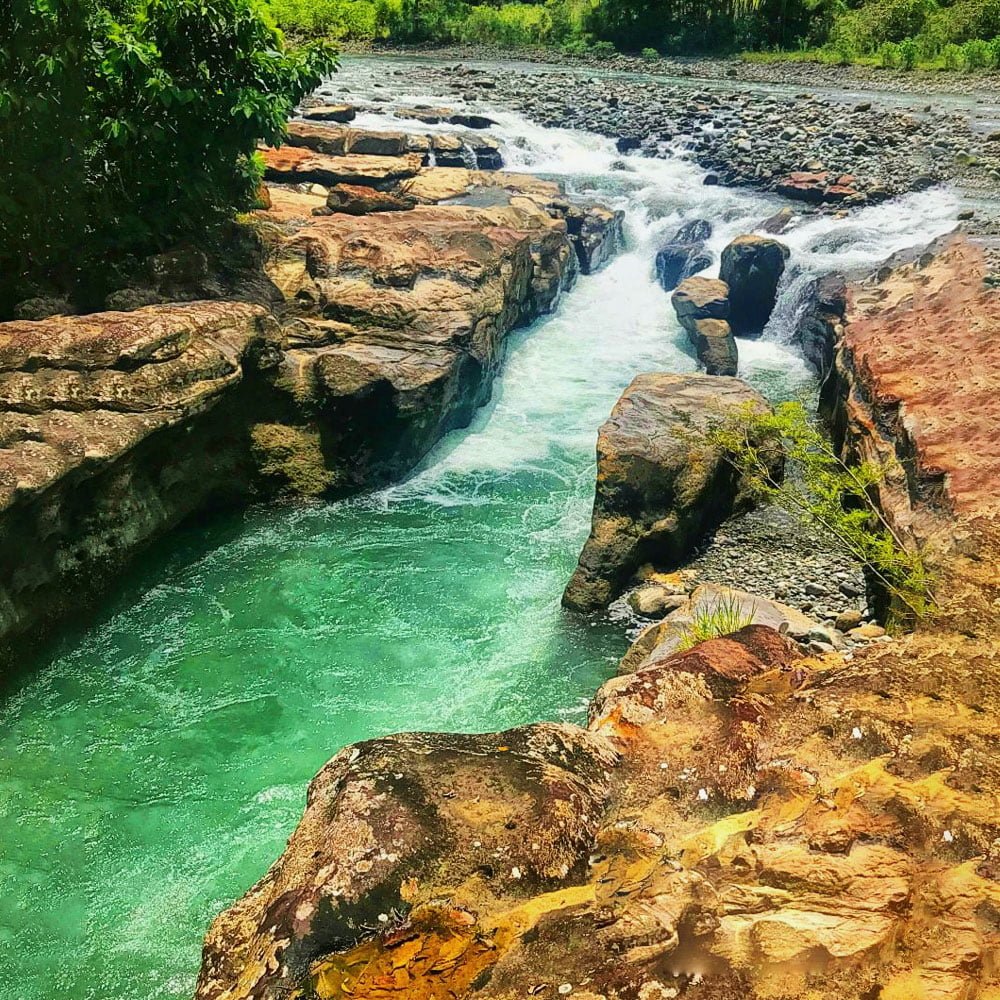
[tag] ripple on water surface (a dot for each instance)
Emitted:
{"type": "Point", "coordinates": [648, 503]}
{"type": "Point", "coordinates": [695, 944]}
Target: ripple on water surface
{"type": "Point", "coordinates": [154, 767]}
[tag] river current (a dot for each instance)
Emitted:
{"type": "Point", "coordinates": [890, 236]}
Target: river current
{"type": "Point", "coordinates": [156, 761]}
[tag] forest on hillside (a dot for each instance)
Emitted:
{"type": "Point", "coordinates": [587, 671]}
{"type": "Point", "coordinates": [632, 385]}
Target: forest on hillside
{"type": "Point", "coordinates": [961, 35]}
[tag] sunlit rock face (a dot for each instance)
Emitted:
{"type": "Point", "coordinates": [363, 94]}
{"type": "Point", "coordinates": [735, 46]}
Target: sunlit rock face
{"type": "Point", "coordinates": [662, 483]}
{"type": "Point", "coordinates": [763, 824]}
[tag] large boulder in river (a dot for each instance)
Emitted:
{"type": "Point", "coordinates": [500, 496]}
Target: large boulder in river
{"type": "Point", "coordinates": [399, 822]}
{"type": "Point", "coordinates": [702, 308]}
{"type": "Point", "coordinates": [662, 482]}
{"type": "Point", "coordinates": [684, 254]}
{"type": "Point", "coordinates": [752, 267]}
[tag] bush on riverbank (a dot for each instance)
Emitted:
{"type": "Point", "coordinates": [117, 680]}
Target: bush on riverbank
{"type": "Point", "coordinates": [127, 128]}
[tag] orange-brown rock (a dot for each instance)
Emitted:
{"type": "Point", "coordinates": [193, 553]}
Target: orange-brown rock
{"type": "Point", "coordinates": [662, 484]}
{"type": "Point", "coordinates": [96, 418]}
{"type": "Point", "coordinates": [775, 828]}
{"type": "Point", "coordinates": [917, 386]}
{"type": "Point", "coordinates": [296, 165]}
{"type": "Point", "coordinates": [702, 308]}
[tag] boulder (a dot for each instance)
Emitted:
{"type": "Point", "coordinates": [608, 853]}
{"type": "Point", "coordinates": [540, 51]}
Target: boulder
{"type": "Point", "coordinates": [684, 254]}
{"type": "Point", "coordinates": [820, 319]}
{"type": "Point", "coordinates": [596, 232]}
{"type": "Point", "coordinates": [752, 267]}
{"type": "Point", "coordinates": [737, 606]}
{"type": "Point", "coordinates": [817, 187]}
{"type": "Point", "coordinates": [662, 484]}
{"type": "Point", "coordinates": [341, 113]}
{"type": "Point", "coordinates": [356, 199]}
{"type": "Point", "coordinates": [392, 824]}
{"type": "Point", "coordinates": [469, 120]}
{"type": "Point", "coordinates": [702, 308]}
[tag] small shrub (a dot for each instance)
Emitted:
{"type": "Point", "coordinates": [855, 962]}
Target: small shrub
{"type": "Point", "coordinates": [820, 488]}
{"type": "Point", "coordinates": [715, 619]}
{"type": "Point", "coordinates": [952, 56]}
{"type": "Point", "coordinates": [908, 53]}
{"type": "Point", "coordinates": [650, 55]}
{"type": "Point", "coordinates": [603, 50]}
{"type": "Point", "coordinates": [888, 55]}
{"type": "Point", "coordinates": [977, 54]}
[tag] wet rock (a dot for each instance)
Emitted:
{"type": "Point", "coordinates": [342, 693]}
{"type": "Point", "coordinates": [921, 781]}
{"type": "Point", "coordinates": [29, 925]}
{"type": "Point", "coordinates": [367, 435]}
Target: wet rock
{"type": "Point", "coordinates": [752, 267]}
{"type": "Point", "coordinates": [341, 113]}
{"type": "Point", "coordinates": [817, 186]}
{"type": "Point", "coordinates": [684, 255]}
{"type": "Point", "coordinates": [820, 319]}
{"type": "Point", "coordinates": [356, 199]}
{"type": "Point", "coordinates": [702, 308]}
{"type": "Point", "coordinates": [597, 234]}
{"type": "Point", "coordinates": [662, 484]}
{"type": "Point", "coordinates": [468, 120]}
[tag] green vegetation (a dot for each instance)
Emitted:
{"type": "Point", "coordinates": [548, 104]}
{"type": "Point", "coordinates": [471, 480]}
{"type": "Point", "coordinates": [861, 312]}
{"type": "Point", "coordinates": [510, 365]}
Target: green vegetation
{"type": "Point", "coordinates": [840, 498]}
{"type": "Point", "coordinates": [128, 126]}
{"type": "Point", "coordinates": [901, 34]}
{"type": "Point", "coordinates": [717, 618]}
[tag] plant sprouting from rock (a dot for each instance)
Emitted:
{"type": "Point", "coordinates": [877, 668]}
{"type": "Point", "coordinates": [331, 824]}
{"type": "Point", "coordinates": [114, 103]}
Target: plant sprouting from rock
{"type": "Point", "coordinates": [716, 618]}
{"type": "Point", "coordinates": [821, 488]}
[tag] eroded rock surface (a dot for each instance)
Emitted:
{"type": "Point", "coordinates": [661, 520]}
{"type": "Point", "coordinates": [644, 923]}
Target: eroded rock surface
{"type": "Point", "coordinates": [385, 318]}
{"type": "Point", "coordinates": [97, 415]}
{"type": "Point", "coordinates": [391, 824]}
{"type": "Point", "coordinates": [662, 484]}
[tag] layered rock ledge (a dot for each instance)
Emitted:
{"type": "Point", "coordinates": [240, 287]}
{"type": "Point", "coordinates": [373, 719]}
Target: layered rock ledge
{"type": "Point", "coordinates": [737, 820]}
{"type": "Point", "coordinates": [378, 319]}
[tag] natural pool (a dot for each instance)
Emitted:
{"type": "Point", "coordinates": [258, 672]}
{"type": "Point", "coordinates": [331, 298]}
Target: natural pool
{"type": "Point", "coordinates": [152, 768]}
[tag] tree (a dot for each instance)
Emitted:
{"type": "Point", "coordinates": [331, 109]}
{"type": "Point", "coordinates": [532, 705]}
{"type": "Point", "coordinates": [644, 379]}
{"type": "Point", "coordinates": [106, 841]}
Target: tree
{"type": "Point", "coordinates": [132, 126]}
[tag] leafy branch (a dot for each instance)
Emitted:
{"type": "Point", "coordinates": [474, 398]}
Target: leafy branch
{"type": "Point", "coordinates": [820, 488]}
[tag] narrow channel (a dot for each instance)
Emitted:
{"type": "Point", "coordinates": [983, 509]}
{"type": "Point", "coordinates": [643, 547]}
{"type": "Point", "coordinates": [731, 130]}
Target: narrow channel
{"type": "Point", "coordinates": [154, 765]}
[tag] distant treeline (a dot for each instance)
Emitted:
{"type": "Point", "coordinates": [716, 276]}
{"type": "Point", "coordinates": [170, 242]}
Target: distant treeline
{"type": "Point", "coordinates": [964, 34]}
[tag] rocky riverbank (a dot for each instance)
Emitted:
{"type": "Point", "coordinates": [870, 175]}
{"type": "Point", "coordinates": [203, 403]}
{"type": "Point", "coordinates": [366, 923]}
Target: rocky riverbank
{"type": "Point", "coordinates": [376, 320]}
{"type": "Point", "coordinates": [829, 150]}
{"type": "Point", "coordinates": [737, 820]}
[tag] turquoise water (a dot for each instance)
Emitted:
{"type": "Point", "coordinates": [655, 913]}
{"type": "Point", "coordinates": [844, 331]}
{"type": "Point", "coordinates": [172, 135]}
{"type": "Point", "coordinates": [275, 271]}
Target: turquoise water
{"type": "Point", "coordinates": [152, 768]}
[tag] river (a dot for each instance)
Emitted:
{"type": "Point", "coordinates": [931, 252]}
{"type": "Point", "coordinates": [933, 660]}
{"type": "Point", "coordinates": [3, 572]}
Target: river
{"type": "Point", "coordinates": [153, 766]}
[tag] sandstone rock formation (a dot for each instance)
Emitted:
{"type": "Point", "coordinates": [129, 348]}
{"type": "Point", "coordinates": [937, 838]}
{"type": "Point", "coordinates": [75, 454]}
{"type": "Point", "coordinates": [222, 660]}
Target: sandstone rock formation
{"type": "Point", "coordinates": [776, 827]}
{"type": "Point", "coordinates": [702, 308]}
{"type": "Point", "coordinates": [895, 397]}
{"type": "Point", "coordinates": [773, 826]}
{"type": "Point", "coordinates": [684, 255]}
{"type": "Point", "coordinates": [390, 824]}
{"type": "Point", "coordinates": [752, 267]}
{"type": "Point", "coordinates": [96, 418]}
{"type": "Point", "coordinates": [662, 484]}
{"type": "Point", "coordinates": [383, 319]}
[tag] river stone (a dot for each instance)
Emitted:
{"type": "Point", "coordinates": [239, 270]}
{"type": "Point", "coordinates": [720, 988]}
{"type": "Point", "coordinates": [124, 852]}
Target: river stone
{"type": "Point", "coordinates": [393, 823]}
{"type": "Point", "coordinates": [746, 609]}
{"type": "Point", "coordinates": [702, 308]}
{"type": "Point", "coordinates": [752, 267]}
{"type": "Point", "coordinates": [662, 485]}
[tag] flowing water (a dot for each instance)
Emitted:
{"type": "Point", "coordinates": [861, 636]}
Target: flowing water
{"type": "Point", "coordinates": [154, 765]}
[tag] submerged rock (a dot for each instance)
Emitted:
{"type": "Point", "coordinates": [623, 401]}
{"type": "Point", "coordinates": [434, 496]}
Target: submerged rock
{"type": "Point", "coordinates": [752, 267]}
{"type": "Point", "coordinates": [662, 484]}
{"type": "Point", "coordinates": [702, 308]}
